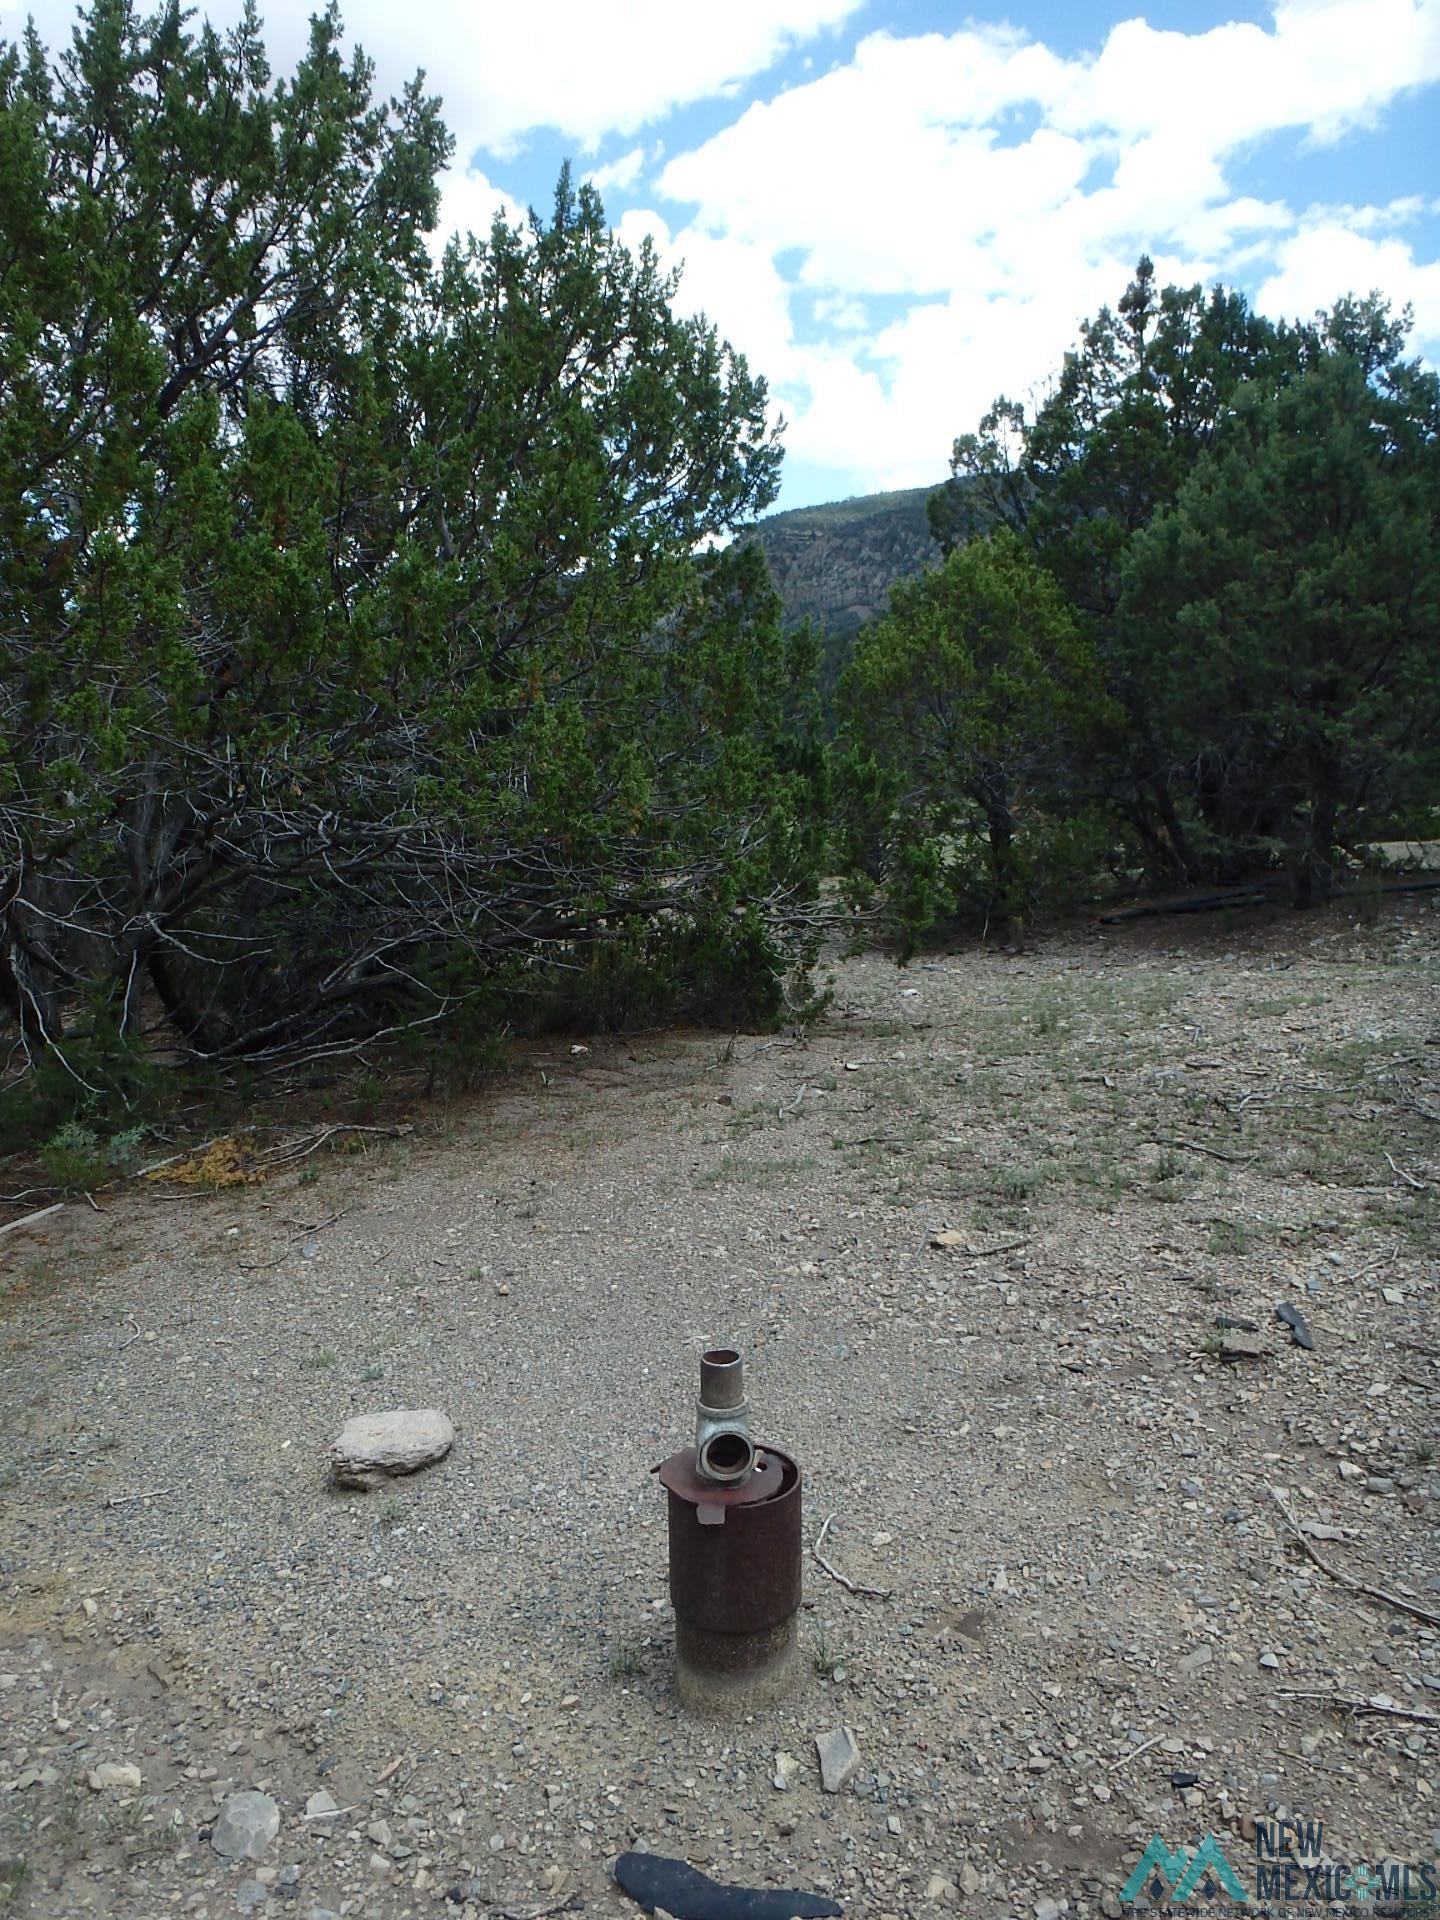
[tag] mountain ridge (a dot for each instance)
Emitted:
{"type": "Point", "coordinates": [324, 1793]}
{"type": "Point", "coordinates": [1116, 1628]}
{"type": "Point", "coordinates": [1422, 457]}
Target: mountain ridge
{"type": "Point", "coordinates": [835, 563]}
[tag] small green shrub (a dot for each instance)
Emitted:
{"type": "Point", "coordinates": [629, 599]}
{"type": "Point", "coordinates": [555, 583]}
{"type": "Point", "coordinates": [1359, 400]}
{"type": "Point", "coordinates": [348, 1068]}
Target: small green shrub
{"type": "Point", "coordinates": [74, 1158]}
{"type": "Point", "coordinates": [625, 1663]}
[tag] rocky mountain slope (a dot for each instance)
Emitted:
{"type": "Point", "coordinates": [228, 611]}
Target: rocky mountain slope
{"type": "Point", "coordinates": [836, 564]}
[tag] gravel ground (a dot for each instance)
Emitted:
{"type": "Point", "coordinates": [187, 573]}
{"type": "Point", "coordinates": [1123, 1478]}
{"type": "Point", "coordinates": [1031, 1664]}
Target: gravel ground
{"type": "Point", "coordinates": [1029, 1435]}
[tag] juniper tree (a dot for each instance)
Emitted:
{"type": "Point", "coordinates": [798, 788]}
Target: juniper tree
{"type": "Point", "coordinates": [357, 654]}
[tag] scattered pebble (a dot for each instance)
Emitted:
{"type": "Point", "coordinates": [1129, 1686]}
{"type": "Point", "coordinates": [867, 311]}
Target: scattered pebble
{"type": "Point", "coordinates": [246, 1825]}
{"type": "Point", "coordinates": [839, 1757]}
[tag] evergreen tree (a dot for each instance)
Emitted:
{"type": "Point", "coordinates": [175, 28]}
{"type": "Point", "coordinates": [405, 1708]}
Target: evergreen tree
{"type": "Point", "coordinates": [1287, 609]}
{"type": "Point", "coordinates": [355, 658]}
{"type": "Point", "coordinates": [1154, 390]}
{"type": "Point", "coordinates": [957, 718]}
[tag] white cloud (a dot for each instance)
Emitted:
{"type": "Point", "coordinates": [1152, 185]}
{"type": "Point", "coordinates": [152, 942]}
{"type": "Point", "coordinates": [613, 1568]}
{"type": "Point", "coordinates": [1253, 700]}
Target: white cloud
{"type": "Point", "coordinates": [1325, 259]}
{"type": "Point", "coordinates": [976, 190]}
{"type": "Point", "coordinates": [469, 202]}
{"type": "Point", "coordinates": [1007, 191]}
{"type": "Point", "coordinates": [834, 310]}
{"type": "Point", "coordinates": [583, 67]}
{"type": "Point", "coordinates": [621, 173]}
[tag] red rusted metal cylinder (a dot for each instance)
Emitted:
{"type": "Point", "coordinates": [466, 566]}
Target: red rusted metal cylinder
{"type": "Point", "coordinates": [735, 1579]}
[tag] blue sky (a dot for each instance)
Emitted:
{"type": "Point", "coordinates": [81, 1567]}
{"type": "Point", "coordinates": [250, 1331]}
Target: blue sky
{"type": "Point", "coordinates": [900, 208]}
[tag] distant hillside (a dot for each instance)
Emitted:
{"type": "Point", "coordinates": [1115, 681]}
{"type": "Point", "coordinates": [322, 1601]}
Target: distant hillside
{"type": "Point", "coordinates": [836, 564]}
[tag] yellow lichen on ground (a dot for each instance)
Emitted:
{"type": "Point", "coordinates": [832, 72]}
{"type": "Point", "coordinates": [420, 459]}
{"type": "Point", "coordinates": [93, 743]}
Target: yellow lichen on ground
{"type": "Point", "coordinates": [220, 1164]}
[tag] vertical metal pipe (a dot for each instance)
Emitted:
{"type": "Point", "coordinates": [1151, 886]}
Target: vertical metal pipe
{"type": "Point", "coordinates": [735, 1552]}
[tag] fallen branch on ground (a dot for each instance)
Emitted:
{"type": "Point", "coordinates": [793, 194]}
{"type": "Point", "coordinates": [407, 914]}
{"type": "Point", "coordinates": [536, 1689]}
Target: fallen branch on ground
{"type": "Point", "coordinates": [851, 1586]}
{"type": "Point", "coordinates": [1408, 1178]}
{"type": "Point", "coordinates": [1134, 1753]}
{"type": "Point", "coordinates": [29, 1219]}
{"type": "Point", "coordinates": [302, 1147]}
{"type": "Point", "coordinates": [1411, 1607]}
{"type": "Point", "coordinates": [1211, 1153]}
{"type": "Point", "coordinates": [1378, 1704]}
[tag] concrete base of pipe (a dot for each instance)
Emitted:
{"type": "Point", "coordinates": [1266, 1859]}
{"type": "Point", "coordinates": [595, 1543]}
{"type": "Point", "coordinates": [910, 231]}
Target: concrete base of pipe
{"type": "Point", "coordinates": [724, 1673]}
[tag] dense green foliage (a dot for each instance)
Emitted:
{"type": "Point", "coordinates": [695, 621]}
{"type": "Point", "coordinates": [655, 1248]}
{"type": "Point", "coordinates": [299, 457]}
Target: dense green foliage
{"type": "Point", "coordinates": [356, 663]}
{"type": "Point", "coordinates": [955, 714]}
{"type": "Point", "coordinates": [1242, 522]}
{"type": "Point", "coordinates": [1285, 616]}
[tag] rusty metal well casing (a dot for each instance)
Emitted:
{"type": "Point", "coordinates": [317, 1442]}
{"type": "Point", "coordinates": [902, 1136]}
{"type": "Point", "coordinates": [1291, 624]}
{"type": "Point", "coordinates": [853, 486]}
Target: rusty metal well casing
{"type": "Point", "coordinates": [735, 1577]}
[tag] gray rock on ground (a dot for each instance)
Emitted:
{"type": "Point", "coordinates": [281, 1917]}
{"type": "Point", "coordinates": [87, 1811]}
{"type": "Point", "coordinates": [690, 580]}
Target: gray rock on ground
{"type": "Point", "coordinates": [372, 1445]}
{"type": "Point", "coordinates": [115, 1774]}
{"type": "Point", "coordinates": [839, 1757]}
{"type": "Point", "coordinates": [245, 1826]}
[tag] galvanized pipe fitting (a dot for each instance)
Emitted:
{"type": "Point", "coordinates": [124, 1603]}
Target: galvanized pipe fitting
{"type": "Point", "coordinates": [724, 1451]}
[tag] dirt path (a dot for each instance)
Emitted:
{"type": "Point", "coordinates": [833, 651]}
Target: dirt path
{"type": "Point", "coordinates": [1040, 1450]}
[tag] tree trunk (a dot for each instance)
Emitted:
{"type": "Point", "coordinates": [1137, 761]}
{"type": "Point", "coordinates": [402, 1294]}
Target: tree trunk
{"type": "Point", "coordinates": [1312, 872]}
{"type": "Point", "coordinates": [181, 1009]}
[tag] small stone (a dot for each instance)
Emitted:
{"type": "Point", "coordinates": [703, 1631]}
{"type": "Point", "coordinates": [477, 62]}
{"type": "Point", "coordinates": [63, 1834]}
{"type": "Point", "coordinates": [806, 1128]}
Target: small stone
{"type": "Point", "coordinates": [786, 1768]}
{"type": "Point", "coordinates": [321, 1806]}
{"type": "Point", "coordinates": [379, 1865]}
{"type": "Point", "coordinates": [1242, 1346]}
{"type": "Point", "coordinates": [250, 1895]}
{"type": "Point", "coordinates": [892, 1823]}
{"type": "Point", "coordinates": [1349, 1471]}
{"type": "Point", "coordinates": [1289, 1315]}
{"type": "Point", "coordinates": [940, 1891]}
{"type": "Point", "coordinates": [1378, 1483]}
{"type": "Point", "coordinates": [246, 1825]}
{"type": "Point", "coordinates": [373, 1444]}
{"type": "Point", "coordinates": [839, 1757]}
{"type": "Point", "coordinates": [1193, 1662]}
{"type": "Point", "coordinates": [1050, 1909]}
{"type": "Point", "coordinates": [1269, 1660]}
{"type": "Point", "coordinates": [1392, 1296]}
{"type": "Point", "coordinates": [969, 1879]}
{"type": "Point", "coordinates": [114, 1775]}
